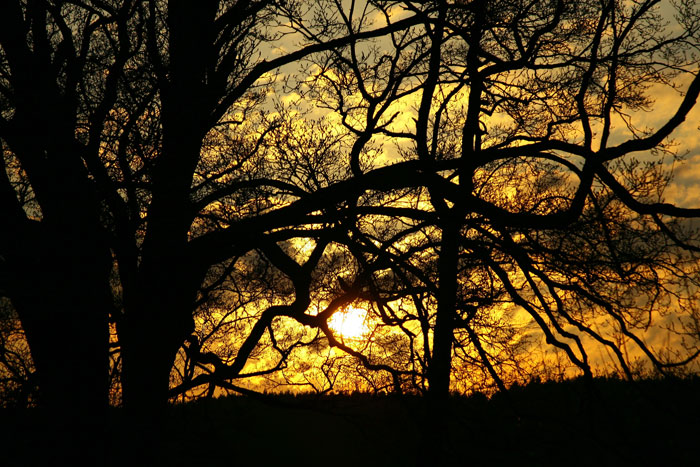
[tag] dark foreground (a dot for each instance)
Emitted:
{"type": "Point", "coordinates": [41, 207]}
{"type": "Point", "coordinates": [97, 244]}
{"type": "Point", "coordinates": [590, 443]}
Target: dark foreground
{"type": "Point", "coordinates": [568, 424]}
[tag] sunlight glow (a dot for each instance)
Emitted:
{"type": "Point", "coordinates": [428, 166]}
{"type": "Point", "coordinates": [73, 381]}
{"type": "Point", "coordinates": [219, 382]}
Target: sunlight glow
{"type": "Point", "coordinates": [350, 323]}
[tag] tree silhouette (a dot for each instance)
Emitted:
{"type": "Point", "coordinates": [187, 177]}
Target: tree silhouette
{"type": "Point", "coordinates": [520, 179]}
{"type": "Point", "coordinates": [61, 63]}
{"type": "Point", "coordinates": [522, 175]}
{"type": "Point", "coordinates": [208, 82]}
{"type": "Point", "coordinates": [125, 126]}
{"type": "Point", "coordinates": [475, 156]}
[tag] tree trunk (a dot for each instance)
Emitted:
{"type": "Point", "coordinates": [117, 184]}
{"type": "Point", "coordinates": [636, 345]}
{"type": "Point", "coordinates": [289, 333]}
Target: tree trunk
{"type": "Point", "coordinates": [436, 416]}
{"type": "Point", "coordinates": [150, 338]}
{"type": "Point", "coordinates": [150, 343]}
{"type": "Point", "coordinates": [440, 368]}
{"type": "Point", "coordinates": [60, 291]}
{"type": "Point", "coordinates": [158, 317]}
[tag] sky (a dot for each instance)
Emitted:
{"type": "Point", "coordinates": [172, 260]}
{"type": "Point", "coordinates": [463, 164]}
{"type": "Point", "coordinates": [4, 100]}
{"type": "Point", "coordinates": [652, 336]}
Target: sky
{"type": "Point", "coordinates": [684, 190]}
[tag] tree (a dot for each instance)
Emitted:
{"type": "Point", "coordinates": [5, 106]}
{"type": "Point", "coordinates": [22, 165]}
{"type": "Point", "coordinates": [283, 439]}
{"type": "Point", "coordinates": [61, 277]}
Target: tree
{"type": "Point", "coordinates": [61, 62]}
{"type": "Point", "coordinates": [140, 105]}
{"type": "Point", "coordinates": [531, 182]}
{"type": "Point", "coordinates": [208, 81]}
{"type": "Point", "coordinates": [165, 168]}
{"type": "Point", "coordinates": [520, 181]}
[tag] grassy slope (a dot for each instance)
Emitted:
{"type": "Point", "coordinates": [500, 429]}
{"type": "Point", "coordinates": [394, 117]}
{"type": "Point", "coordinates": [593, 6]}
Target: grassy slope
{"type": "Point", "coordinates": [614, 423]}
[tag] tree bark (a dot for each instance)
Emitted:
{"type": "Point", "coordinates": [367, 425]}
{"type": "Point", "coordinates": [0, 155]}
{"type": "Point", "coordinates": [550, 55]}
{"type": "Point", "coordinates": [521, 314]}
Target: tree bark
{"type": "Point", "coordinates": [441, 359]}
{"type": "Point", "coordinates": [150, 342]}
{"type": "Point", "coordinates": [151, 334]}
{"type": "Point", "coordinates": [60, 290]}
{"type": "Point", "coordinates": [159, 315]}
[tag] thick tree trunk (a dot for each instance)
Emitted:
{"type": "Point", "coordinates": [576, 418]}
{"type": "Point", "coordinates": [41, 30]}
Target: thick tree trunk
{"type": "Point", "coordinates": [435, 447]}
{"type": "Point", "coordinates": [150, 338]}
{"type": "Point", "coordinates": [158, 315]}
{"type": "Point", "coordinates": [159, 312]}
{"type": "Point", "coordinates": [69, 347]}
{"type": "Point", "coordinates": [145, 371]}
{"type": "Point", "coordinates": [60, 290]}
{"type": "Point", "coordinates": [440, 368]}
{"type": "Point", "coordinates": [150, 343]}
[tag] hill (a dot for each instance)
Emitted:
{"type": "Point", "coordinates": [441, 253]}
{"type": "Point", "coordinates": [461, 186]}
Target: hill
{"type": "Point", "coordinates": [608, 422]}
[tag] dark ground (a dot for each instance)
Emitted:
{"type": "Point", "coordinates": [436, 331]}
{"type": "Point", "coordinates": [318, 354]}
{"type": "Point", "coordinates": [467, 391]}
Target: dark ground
{"type": "Point", "coordinates": [653, 422]}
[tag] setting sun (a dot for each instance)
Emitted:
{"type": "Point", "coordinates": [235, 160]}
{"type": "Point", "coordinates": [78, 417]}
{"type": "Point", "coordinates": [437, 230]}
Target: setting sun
{"type": "Point", "coordinates": [350, 323]}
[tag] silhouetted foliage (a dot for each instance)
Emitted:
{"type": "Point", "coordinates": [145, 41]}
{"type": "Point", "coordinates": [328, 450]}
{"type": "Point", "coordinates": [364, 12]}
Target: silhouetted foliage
{"type": "Point", "coordinates": [520, 201]}
{"type": "Point", "coordinates": [191, 191]}
{"type": "Point", "coordinates": [17, 381]}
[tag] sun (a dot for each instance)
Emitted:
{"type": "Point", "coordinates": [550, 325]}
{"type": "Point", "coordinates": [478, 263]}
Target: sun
{"type": "Point", "coordinates": [350, 323]}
